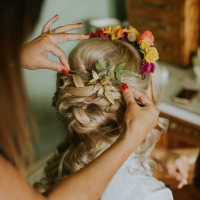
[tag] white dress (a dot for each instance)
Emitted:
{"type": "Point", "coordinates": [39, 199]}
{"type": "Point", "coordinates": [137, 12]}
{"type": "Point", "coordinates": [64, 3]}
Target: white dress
{"type": "Point", "coordinates": [133, 182]}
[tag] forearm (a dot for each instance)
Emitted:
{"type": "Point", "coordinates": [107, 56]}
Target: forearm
{"type": "Point", "coordinates": [89, 182]}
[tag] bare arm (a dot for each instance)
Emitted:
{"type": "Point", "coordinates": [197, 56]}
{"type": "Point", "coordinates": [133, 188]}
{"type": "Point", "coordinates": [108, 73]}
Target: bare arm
{"type": "Point", "coordinates": [89, 182]}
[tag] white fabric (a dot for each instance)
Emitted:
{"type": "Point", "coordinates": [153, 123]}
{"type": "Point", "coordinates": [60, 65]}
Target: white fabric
{"type": "Point", "coordinates": [133, 182]}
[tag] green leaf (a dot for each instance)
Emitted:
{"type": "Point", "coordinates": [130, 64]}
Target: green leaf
{"type": "Point", "coordinates": [110, 74]}
{"type": "Point", "coordinates": [128, 73]}
{"type": "Point", "coordinates": [98, 65]}
{"type": "Point", "coordinates": [110, 64]}
{"type": "Point", "coordinates": [101, 75]}
{"type": "Point", "coordinates": [118, 76]}
{"type": "Point", "coordinates": [120, 67]}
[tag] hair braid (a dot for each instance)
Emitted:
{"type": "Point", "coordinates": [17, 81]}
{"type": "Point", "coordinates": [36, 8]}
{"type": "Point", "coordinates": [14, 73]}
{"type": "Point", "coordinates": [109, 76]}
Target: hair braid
{"type": "Point", "coordinates": [92, 122]}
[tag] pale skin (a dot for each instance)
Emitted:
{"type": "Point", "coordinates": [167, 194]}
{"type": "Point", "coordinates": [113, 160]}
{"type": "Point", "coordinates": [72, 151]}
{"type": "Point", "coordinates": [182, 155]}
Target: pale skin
{"type": "Point", "coordinates": [83, 184]}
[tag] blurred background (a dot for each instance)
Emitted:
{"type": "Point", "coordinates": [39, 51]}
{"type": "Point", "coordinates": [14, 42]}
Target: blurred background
{"type": "Point", "coordinates": [175, 25]}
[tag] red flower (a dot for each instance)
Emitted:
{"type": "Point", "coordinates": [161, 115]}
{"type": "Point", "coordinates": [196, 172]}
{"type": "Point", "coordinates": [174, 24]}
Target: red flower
{"type": "Point", "coordinates": [106, 35]}
{"type": "Point", "coordinates": [146, 35]}
{"type": "Point", "coordinates": [116, 32]}
{"type": "Point", "coordinates": [101, 33]}
{"type": "Point", "coordinates": [92, 35]}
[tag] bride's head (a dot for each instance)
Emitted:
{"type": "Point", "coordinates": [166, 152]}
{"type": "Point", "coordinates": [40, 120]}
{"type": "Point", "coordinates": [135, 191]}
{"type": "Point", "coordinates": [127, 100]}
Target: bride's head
{"type": "Point", "coordinates": [93, 123]}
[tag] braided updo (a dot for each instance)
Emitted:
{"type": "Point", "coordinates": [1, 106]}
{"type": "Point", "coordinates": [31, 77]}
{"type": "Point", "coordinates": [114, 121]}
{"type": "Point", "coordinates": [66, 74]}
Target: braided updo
{"type": "Point", "coordinates": [92, 122]}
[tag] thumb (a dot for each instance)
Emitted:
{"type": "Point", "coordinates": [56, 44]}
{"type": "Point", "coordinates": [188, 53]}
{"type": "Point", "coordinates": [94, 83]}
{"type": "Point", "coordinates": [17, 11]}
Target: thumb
{"type": "Point", "coordinates": [127, 94]}
{"type": "Point", "coordinates": [55, 66]}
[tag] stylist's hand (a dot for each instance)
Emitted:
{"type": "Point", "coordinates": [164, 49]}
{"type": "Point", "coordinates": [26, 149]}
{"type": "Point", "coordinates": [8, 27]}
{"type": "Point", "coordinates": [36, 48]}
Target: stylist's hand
{"type": "Point", "coordinates": [34, 55]}
{"type": "Point", "coordinates": [138, 121]}
{"type": "Point", "coordinates": [177, 166]}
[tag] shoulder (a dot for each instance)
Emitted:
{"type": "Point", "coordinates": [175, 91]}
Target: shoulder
{"type": "Point", "coordinates": [125, 185]}
{"type": "Point", "coordinates": [164, 194]}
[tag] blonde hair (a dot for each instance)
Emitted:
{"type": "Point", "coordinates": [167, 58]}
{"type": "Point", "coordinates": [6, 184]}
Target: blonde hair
{"type": "Point", "coordinates": [93, 123]}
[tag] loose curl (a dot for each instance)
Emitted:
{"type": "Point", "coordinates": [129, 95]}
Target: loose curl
{"type": "Point", "coordinates": [93, 123]}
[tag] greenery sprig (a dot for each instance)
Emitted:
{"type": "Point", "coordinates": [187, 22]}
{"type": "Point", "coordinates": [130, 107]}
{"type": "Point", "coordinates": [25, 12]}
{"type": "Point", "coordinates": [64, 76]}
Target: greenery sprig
{"type": "Point", "coordinates": [118, 72]}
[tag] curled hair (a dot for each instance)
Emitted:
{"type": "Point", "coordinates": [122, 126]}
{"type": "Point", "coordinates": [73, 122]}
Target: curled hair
{"type": "Point", "coordinates": [92, 122]}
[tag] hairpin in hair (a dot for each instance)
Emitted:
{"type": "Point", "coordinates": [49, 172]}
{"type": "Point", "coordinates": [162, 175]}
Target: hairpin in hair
{"type": "Point", "coordinates": [142, 42]}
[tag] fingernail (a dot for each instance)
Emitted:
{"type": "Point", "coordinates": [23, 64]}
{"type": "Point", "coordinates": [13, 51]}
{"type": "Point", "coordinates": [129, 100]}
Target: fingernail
{"type": "Point", "coordinates": [124, 86]}
{"type": "Point", "coordinates": [87, 34]}
{"type": "Point", "coordinates": [64, 71]}
{"type": "Point", "coordinates": [79, 23]}
{"type": "Point", "coordinates": [185, 182]}
{"type": "Point", "coordinates": [56, 15]}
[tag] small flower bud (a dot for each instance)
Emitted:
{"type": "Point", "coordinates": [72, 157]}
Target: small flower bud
{"type": "Point", "coordinates": [132, 37]}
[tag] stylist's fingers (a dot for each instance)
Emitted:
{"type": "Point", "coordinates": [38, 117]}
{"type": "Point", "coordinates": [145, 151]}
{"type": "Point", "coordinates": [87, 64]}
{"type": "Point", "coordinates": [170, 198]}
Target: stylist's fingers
{"type": "Point", "coordinates": [144, 100]}
{"type": "Point", "coordinates": [64, 37]}
{"type": "Point", "coordinates": [55, 66]}
{"type": "Point", "coordinates": [182, 165]}
{"type": "Point", "coordinates": [66, 28]}
{"type": "Point", "coordinates": [58, 52]}
{"type": "Point", "coordinates": [48, 25]}
{"type": "Point", "coordinates": [127, 95]}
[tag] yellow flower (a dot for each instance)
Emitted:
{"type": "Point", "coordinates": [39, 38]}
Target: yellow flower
{"type": "Point", "coordinates": [151, 55]}
{"type": "Point", "coordinates": [107, 30]}
{"type": "Point", "coordinates": [113, 37]}
{"type": "Point", "coordinates": [144, 44]}
{"type": "Point", "coordinates": [120, 33]}
{"type": "Point", "coordinates": [133, 30]}
{"type": "Point", "coordinates": [111, 31]}
{"type": "Point", "coordinates": [116, 27]}
{"type": "Point", "coordinates": [132, 37]}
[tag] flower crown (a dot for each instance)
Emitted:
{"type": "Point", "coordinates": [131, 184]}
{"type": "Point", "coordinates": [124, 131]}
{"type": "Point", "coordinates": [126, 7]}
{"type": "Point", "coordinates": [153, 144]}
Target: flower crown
{"type": "Point", "coordinates": [102, 79]}
{"type": "Point", "coordinates": [143, 43]}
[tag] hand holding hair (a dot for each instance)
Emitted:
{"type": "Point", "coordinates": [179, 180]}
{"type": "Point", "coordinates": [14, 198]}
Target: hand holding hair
{"type": "Point", "coordinates": [34, 55]}
{"type": "Point", "coordinates": [138, 121]}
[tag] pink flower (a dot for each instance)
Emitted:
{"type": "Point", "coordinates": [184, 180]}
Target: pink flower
{"type": "Point", "coordinates": [146, 35]}
{"type": "Point", "coordinates": [152, 68]}
{"type": "Point", "coordinates": [147, 67]}
{"type": "Point", "coordinates": [124, 37]}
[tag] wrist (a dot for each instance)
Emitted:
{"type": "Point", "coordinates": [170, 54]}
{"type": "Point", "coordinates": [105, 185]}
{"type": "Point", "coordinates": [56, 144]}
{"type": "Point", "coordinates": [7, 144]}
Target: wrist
{"type": "Point", "coordinates": [130, 140]}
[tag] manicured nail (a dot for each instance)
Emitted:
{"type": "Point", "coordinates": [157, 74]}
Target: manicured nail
{"type": "Point", "coordinates": [87, 34]}
{"type": "Point", "coordinates": [185, 182]}
{"type": "Point", "coordinates": [64, 71]}
{"type": "Point", "coordinates": [124, 86]}
{"type": "Point", "coordinates": [56, 15]}
{"type": "Point", "coordinates": [79, 23]}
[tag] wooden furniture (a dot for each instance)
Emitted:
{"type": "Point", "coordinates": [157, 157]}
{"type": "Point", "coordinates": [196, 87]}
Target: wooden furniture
{"type": "Point", "coordinates": [181, 134]}
{"type": "Point", "coordinates": [174, 23]}
{"type": "Point", "coordinates": [181, 138]}
{"type": "Point", "coordinates": [170, 181]}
